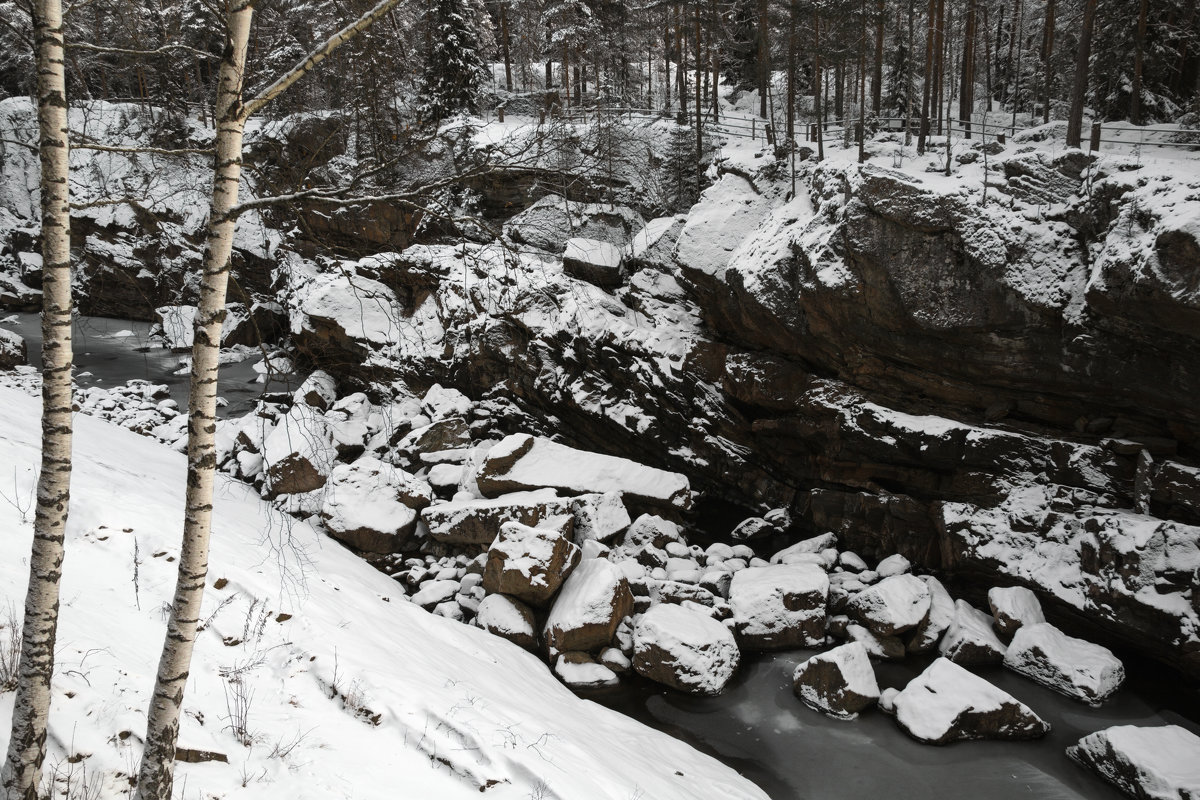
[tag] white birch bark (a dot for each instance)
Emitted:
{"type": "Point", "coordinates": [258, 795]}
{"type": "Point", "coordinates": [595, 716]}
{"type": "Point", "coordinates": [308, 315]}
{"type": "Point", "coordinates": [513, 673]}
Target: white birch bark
{"type": "Point", "coordinates": [155, 778]}
{"type": "Point", "coordinates": [21, 774]}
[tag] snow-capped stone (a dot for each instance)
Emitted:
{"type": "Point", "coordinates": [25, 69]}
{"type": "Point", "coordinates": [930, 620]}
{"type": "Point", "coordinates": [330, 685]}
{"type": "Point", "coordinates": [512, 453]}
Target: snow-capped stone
{"type": "Point", "coordinates": [941, 614]}
{"type": "Point", "coordinates": [894, 605]}
{"type": "Point", "coordinates": [12, 350]}
{"type": "Point", "coordinates": [727, 213]}
{"type": "Point", "coordinates": [971, 639]}
{"type": "Point", "coordinates": [593, 601]}
{"type": "Point", "coordinates": [1014, 607]}
{"type": "Point", "coordinates": [445, 434]}
{"type": "Point", "coordinates": [651, 530]}
{"type": "Point", "coordinates": [372, 505]}
{"type": "Point", "coordinates": [434, 592]}
{"type": "Point", "coordinates": [177, 325]}
{"type": "Point", "coordinates": [596, 262]}
{"type": "Point", "coordinates": [615, 659]}
{"type": "Point", "coordinates": [1149, 763]}
{"type": "Point", "coordinates": [893, 565]}
{"type": "Point", "coordinates": [318, 390]}
{"type": "Point", "coordinates": [442, 402]}
{"type": "Point", "coordinates": [813, 545]}
{"type": "Point", "coordinates": [839, 682]}
{"type": "Point", "coordinates": [521, 461]}
{"type": "Point", "coordinates": [887, 700]}
{"type": "Point", "coordinates": [445, 477]}
{"type": "Point", "coordinates": [777, 607]}
{"type": "Point", "coordinates": [299, 452]}
{"type": "Point", "coordinates": [1074, 667]}
{"type": "Point", "coordinates": [507, 618]}
{"type": "Point", "coordinates": [887, 648]}
{"type": "Point", "coordinates": [751, 528]}
{"type": "Point", "coordinates": [581, 671]}
{"type": "Point", "coordinates": [529, 563]}
{"type": "Point", "coordinates": [684, 649]}
{"type": "Point", "coordinates": [593, 549]}
{"type": "Point", "coordinates": [946, 703]}
{"type": "Point", "coordinates": [654, 245]}
{"type": "Point", "coordinates": [852, 562]}
{"type": "Point", "coordinates": [552, 220]}
{"type": "Point", "coordinates": [475, 521]}
{"type": "Point", "coordinates": [599, 516]}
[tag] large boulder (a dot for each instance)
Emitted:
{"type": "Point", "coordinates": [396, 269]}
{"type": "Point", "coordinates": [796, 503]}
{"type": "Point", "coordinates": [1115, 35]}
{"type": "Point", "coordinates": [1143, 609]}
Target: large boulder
{"type": "Point", "coordinates": [1070, 666]}
{"type": "Point", "coordinates": [946, 703]}
{"type": "Point", "coordinates": [12, 350]}
{"type": "Point", "coordinates": [1013, 607]}
{"type": "Point", "coordinates": [937, 621]}
{"type": "Point", "coordinates": [599, 516]}
{"type": "Point", "coordinates": [839, 683]}
{"type": "Point", "coordinates": [894, 605]}
{"type": "Point", "coordinates": [509, 619]}
{"type": "Point", "coordinates": [521, 461]}
{"type": "Point", "coordinates": [684, 649]}
{"type": "Point", "coordinates": [552, 220]}
{"type": "Point", "coordinates": [593, 601]}
{"type": "Point", "coordinates": [582, 671]}
{"type": "Point", "coordinates": [1159, 763]}
{"type": "Point", "coordinates": [372, 505]}
{"type": "Point", "coordinates": [778, 607]}
{"type": "Point", "coordinates": [299, 452]}
{"type": "Point", "coordinates": [594, 261]}
{"type": "Point", "coordinates": [466, 522]}
{"type": "Point", "coordinates": [529, 563]}
{"type": "Point", "coordinates": [971, 639]}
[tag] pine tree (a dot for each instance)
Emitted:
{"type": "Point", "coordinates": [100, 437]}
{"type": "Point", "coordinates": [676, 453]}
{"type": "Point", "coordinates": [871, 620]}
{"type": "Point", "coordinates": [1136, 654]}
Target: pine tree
{"type": "Point", "coordinates": [454, 68]}
{"type": "Point", "coordinates": [897, 88]}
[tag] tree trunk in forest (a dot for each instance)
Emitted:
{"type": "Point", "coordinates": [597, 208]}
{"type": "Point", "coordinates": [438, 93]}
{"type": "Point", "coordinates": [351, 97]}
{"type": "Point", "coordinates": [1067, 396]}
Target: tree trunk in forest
{"type": "Point", "coordinates": [156, 776]}
{"type": "Point", "coordinates": [21, 775]}
{"type": "Point", "coordinates": [818, 105]}
{"type": "Point", "coordinates": [699, 98]}
{"type": "Point", "coordinates": [764, 57]}
{"type": "Point", "coordinates": [1019, 10]}
{"type": "Point", "coordinates": [987, 59]}
{"type": "Point", "coordinates": [1135, 96]}
{"type": "Point", "coordinates": [1079, 89]}
{"type": "Point", "coordinates": [939, 43]}
{"type": "Point", "coordinates": [862, 83]}
{"type": "Point", "coordinates": [791, 74]}
{"type": "Point", "coordinates": [966, 94]}
{"type": "Point", "coordinates": [1047, 55]}
{"type": "Point", "coordinates": [908, 78]}
{"type": "Point", "coordinates": [508, 84]}
{"type": "Point", "coordinates": [667, 56]}
{"type": "Point", "coordinates": [877, 79]}
{"type": "Point", "coordinates": [927, 88]}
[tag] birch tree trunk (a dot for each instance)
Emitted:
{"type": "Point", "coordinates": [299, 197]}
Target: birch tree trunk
{"type": "Point", "coordinates": [155, 778]}
{"type": "Point", "coordinates": [22, 769]}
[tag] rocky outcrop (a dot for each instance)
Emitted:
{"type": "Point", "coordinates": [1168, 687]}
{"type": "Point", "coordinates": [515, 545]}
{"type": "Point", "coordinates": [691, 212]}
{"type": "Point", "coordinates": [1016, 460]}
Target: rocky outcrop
{"type": "Point", "coordinates": [1145, 763]}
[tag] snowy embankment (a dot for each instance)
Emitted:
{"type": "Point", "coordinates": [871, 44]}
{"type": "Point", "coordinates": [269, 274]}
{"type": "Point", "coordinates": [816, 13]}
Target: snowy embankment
{"type": "Point", "coordinates": [313, 676]}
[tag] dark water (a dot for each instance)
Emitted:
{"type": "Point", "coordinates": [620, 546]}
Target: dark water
{"type": "Point", "coordinates": [109, 352]}
{"type": "Point", "coordinates": [759, 728]}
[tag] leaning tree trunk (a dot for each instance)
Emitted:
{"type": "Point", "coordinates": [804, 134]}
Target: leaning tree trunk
{"type": "Point", "coordinates": [22, 769]}
{"type": "Point", "coordinates": [162, 727]}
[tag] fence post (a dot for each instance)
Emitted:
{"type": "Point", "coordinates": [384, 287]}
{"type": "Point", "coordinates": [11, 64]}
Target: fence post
{"type": "Point", "coordinates": [500, 113]}
{"type": "Point", "coordinates": [753, 126]}
{"type": "Point", "coordinates": [1095, 143]}
{"type": "Point", "coordinates": [858, 132]}
{"type": "Point", "coordinates": [1001, 138]}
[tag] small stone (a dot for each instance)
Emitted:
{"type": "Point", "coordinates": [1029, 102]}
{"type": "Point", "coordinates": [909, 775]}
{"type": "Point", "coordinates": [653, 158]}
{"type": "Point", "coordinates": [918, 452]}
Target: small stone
{"type": "Point", "coordinates": [839, 682]}
{"type": "Point", "coordinates": [1013, 607]}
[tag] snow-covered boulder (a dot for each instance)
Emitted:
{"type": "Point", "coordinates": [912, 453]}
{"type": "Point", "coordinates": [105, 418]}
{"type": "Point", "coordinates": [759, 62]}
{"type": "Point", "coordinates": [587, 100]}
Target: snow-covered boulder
{"type": "Point", "coordinates": [651, 530]}
{"type": "Point", "coordinates": [839, 682]}
{"type": "Point", "coordinates": [445, 434]}
{"type": "Point", "coordinates": [478, 521]}
{"type": "Point", "coordinates": [893, 565]}
{"type": "Point", "coordinates": [372, 505]}
{"type": "Point", "coordinates": [971, 639]}
{"type": "Point", "coordinates": [727, 213]}
{"type": "Point", "coordinates": [593, 601]}
{"type": "Point", "coordinates": [894, 605]}
{"type": "Point", "coordinates": [1149, 763]}
{"type": "Point", "coordinates": [1070, 666]}
{"type": "Point", "coordinates": [176, 324]}
{"type": "Point", "coordinates": [581, 671]}
{"type": "Point", "coordinates": [12, 350]}
{"type": "Point", "coordinates": [299, 452]}
{"type": "Point", "coordinates": [552, 220]}
{"type": "Point", "coordinates": [599, 516]}
{"type": "Point", "coordinates": [654, 245]}
{"type": "Point", "coordinates": [684, 649]}
{"type": "Point", "coordinates": [946, 703]}
{"type": "Point", "coordinates": [529, 563]}
{"type": "Point", "coordinates": [780, 606]}
{"type": "Point", "coordinates": [507, 618]}
{"type": "Point", "coordinates": [939, 618]}
{"type": "Point", "coordinates": [1014, 607]}
{"type": "Point", "coordinates": [521, 461]}
{"type": "Point", "coordinates": [887, 648]}
{"type": "Point", "coordinates": [596, 262]}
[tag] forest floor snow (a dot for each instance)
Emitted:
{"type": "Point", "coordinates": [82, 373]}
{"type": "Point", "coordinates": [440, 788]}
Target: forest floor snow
{"type": "Point", "coordinates": [346, 689]}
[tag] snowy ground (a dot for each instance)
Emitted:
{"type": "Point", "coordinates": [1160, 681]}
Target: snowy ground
{"type": "Point", "coordinates": [346, 689]}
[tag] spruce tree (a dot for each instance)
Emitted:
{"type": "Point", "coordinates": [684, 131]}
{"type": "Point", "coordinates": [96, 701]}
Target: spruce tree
{"type": "Point", "coordinates": [454, 69]}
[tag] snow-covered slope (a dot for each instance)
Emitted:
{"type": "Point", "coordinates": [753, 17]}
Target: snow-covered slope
{"type": "Point", "coordinates": [349, 690]}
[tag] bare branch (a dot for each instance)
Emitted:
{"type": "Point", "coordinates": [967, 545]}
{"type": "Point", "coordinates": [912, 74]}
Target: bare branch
{"type": "Point", "coordinates": [186, 151]}
{"type": "Point", "coordinates": [317, 56]}
{"type": "Point", "coordinates": [127, 51]}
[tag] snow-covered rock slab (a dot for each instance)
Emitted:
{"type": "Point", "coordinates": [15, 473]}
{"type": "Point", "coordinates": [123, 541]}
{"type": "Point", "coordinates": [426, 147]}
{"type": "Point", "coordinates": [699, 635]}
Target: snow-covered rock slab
{"type": "Point", "coordinates": [1013, 607]}
{"type": "Point", "coordinates": [528, 563]}
{"type": "Point", "coordinates": [937, 621]}
{"type": "Point", "coordinates": [946, 703]}
{"type": "Point", "coordinates": [581, 671]}
{"type": "Point", "coordinates": [299, 452]}
{"type": "Point", "coordinates": [478, 521]}
{"type": "Point", "coordinates": [507, 618]}
{"type": "Point", "coordinates": [521, 461]}
{"type": "Point", "coordinates": [552, 220]}
{"type": "Point", "coordinates": [599, 516]}
{"type": "Point", "coordinates": [448, 701]}
{"type": "Point", "coordinates": [839, 683]}
{"type": "Point", "coordinates": [717, 225]}
{"type": "Point", "coordinates": [1149, 763]}
{"type": "Point", "coordinates": [654, 245]}
{"type": "Point", "coordinates": [1070, 666]}
{"type": "Point", "coordinates": [971, 638]}
{"type": "Point", "coordinates": [778, 607]}
{"type": "Point", "coordinates": [894, 605]}
{"type": "Point", "coordinates": [12, 350]}
{"type": "Point", "coordinates": [684, 649]}
{"type": "Point", "coordinates": [372, 505]}
{"type": "Point", "coordinates": [596, 262]}
{"type": "Point", "coordinates": [590, 606]}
